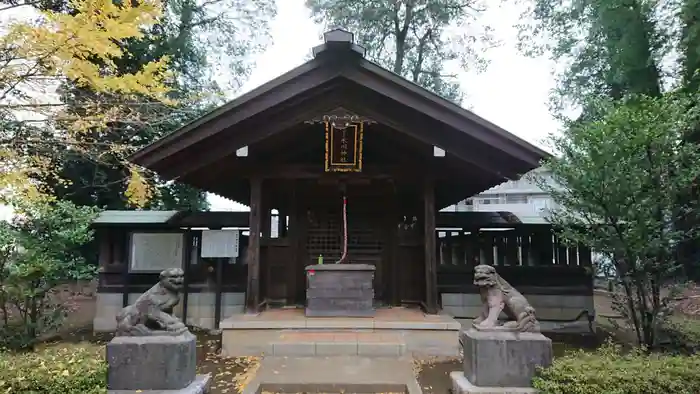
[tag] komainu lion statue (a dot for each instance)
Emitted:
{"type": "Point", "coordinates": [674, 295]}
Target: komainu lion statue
{"type": "Point", "coordinates": [498, 296]}
{"type": "Point", "coordinates": [152, 313]}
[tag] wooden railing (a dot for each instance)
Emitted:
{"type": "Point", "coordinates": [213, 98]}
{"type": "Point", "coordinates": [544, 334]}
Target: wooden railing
{"type": "Point", "coordinates": [521, 247]}
{"type": "Point", "coordinates": [530, 257]}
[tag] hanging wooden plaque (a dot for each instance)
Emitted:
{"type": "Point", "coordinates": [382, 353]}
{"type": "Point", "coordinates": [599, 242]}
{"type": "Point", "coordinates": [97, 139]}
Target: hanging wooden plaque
{"type": "Point", "coordinates": [344, 147]}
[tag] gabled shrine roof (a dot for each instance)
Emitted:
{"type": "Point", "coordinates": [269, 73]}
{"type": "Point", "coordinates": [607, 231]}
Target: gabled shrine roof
{"type": "Point", "coordinates": [339, 57]}
{"type": "Point", "coordinates": [479, 154]}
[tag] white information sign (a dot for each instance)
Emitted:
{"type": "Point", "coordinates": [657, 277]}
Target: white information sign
{"type": "Point", "coordinates": [220, 243]}
{"type": "Point", "coordinates": [155, 252]}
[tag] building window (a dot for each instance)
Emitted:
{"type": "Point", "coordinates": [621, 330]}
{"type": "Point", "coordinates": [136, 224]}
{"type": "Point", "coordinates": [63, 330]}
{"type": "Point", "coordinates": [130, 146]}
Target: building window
{"type": "Point", "coordinates": [488, 201]}
{"type": "Point", "coordinates": [516, 199]}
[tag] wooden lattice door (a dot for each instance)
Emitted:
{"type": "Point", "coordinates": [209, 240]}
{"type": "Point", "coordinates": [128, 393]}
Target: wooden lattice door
{"type": "Point", "coordinates": [365, 241]}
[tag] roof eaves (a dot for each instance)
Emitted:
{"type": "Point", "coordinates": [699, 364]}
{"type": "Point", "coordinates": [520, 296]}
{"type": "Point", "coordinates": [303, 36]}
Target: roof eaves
{"type": "Point", "coordinates": [215, 113]}
{"type": "Point", "coordinates": [382, 72]}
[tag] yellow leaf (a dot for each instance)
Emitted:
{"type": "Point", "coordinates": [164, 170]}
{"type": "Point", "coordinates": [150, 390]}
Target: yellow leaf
{"type": "Point", "coordinates": [62, 46]}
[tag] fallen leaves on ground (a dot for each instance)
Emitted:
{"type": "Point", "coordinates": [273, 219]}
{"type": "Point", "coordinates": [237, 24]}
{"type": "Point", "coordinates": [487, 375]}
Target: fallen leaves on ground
{"type": "Point", "coordinates": [229, 375]}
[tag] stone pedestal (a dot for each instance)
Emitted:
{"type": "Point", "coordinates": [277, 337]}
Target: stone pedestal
{"type": "Point", "coordinates": [163, 364]}
{"type": "Point", "coordinates": [500, 361]}
{"type": "Point", "coordinates": [340, 290]}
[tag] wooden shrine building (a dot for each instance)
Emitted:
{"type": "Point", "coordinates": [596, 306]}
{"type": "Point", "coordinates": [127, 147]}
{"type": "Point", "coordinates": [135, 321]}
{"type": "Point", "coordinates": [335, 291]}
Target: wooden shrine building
{"type": "Point", "coordinates": [340, 125]}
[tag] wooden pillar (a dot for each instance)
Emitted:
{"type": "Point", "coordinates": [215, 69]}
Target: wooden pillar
{"type": "Point", "coordinates": [294, 245]}
{"type": "Point", "coordinates": [392, 250]}
{"type": "Point", "coordinates": [431, 291]}
{"type": "Point", "coordinates": [253, 253]}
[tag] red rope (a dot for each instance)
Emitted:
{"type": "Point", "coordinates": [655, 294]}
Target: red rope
{"type": "Point", "coordinates": [345, 231]}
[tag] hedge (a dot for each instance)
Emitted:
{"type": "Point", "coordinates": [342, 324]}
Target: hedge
{"type": "Point", "coordinates": [609, 371]}
{"type": "Point", "coordinates": [683, 334]}
{"type": "Point", "coordinates": [79, 369]}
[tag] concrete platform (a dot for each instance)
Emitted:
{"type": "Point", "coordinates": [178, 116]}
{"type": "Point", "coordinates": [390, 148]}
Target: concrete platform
{"type": "Point", "coordinates": [334, 374]}
{"type": "Point", "coordinates": [392, 332]}
{"type": "Point", "coordinates": [385, 318]}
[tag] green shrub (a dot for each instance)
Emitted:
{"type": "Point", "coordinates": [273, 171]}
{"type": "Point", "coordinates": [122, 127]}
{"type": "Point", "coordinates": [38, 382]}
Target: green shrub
{"type": "Point", "coordinates": [78, 369]}
{"type": "Point", "coordinates": [609, 371]}
{"type": "Point", "coordinates": [683, 334]}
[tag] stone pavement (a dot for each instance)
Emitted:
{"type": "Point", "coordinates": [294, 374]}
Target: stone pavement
{"type": "Point", "coordinates": [334, 374]}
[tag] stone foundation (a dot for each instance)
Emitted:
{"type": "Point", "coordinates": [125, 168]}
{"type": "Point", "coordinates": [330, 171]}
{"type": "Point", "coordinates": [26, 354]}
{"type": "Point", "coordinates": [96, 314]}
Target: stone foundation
{"type": "Point", "coordinates": [504, 358]}
{"type": "Point", "coordinates": [460, 385]}
{"type": "Point", "coordinates": [200, 309]}
{"type": "Point", "coordinates": [500, 361]}
{"type": "Point", "coordinates": [151, 363]}
{"type": "Point", "coordinates": [154, 364]}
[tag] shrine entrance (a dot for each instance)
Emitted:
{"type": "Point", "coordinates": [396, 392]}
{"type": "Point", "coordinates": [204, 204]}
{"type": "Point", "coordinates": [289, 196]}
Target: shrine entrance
{"type": "Point", "coordinates": [368, 228]}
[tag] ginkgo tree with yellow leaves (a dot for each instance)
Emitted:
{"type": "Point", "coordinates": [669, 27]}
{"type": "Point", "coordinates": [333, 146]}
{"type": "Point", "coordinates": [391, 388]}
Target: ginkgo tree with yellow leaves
{"type": "Point", "coordinates": [80, 47]}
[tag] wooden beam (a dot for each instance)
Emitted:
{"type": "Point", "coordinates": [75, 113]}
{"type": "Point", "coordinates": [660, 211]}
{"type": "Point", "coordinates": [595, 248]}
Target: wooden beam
{"type": "Point", "coordinates": [253, 253]}
{"type": "Point", "coordinates": [303, 171]}
{"type": "Point", "coordinates": [429, 210]}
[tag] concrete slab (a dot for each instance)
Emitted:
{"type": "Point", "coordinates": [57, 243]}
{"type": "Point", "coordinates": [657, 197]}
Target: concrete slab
{"type": "Point", "coordinates": [354, 374]}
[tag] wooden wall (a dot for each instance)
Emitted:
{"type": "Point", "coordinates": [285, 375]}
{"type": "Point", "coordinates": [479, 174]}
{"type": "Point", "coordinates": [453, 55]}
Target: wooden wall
{"type": "Point", "coordinates": [530, 257]}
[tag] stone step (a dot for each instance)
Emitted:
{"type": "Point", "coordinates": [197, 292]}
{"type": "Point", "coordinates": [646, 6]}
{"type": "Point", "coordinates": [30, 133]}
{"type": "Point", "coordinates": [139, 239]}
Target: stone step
{"type": "Point", "coordinates": [311, 343]}
{"type": "Point", "coordinates": [339, 343]}
{"type": "Point", "coordinates": [309, 349]}
{"type": "Point", "coordinates": [349, 374]}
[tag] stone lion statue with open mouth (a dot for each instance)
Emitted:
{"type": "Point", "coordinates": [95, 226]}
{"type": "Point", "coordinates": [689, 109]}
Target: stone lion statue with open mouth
{"type": "Point", "coordinates": [498, 296]}
{"type": "Point", "coordinates": [152, 313]}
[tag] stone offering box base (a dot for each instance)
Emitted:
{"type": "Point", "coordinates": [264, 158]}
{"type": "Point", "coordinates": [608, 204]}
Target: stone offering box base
{"type": "Point", "coordinates": [500, 361]}
{"type": "Point", "coordinates": [154, 364]}
{"type": "Point", "coordinates": [340, 290]}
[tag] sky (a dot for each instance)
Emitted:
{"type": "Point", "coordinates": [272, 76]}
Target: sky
{"type": "Point", "coordinates": [511, 93]}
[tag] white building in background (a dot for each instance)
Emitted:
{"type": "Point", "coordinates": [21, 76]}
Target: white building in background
{"type": "Point", "coordinates": [522, 198]}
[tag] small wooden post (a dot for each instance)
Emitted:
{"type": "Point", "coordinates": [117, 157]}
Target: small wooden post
{"type": "Point", "coordinates": [126, 278]}
{"type": "Point", "coordinates": [186, 262]}
{"type": "Point", "coordinates": [253, 253]}
{"type": "Point", "coordinates": [431, 291]}
{"type": "Point", "coordinates": [219, 286]}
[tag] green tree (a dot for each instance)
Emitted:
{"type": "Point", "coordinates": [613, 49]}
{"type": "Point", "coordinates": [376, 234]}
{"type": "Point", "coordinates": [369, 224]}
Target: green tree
{"type": "Point", "coordinates": [609, 47]}
{"type": "Point", "coordinates": [619, 176]}
{"type": "Point", "coordinates": [413, 38]}
{"type": "Point", "coordinates": [612, 48]}
{"type": "Point", "coordinates": [40, 250]}
{"type": "Point", "coordinates": [203, 41]}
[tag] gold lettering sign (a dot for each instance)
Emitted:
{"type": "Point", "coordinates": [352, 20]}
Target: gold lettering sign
{"type": "Point", "coordinates": [344, 147]}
